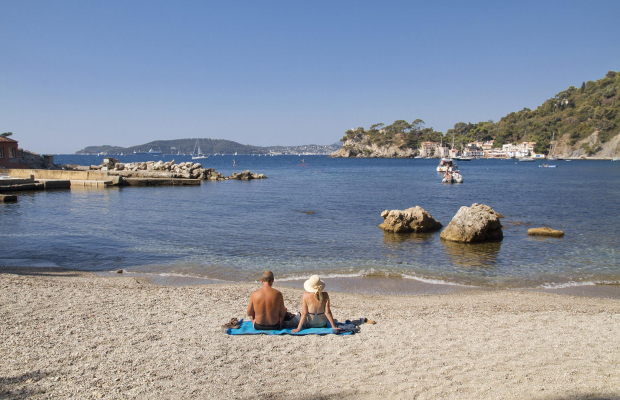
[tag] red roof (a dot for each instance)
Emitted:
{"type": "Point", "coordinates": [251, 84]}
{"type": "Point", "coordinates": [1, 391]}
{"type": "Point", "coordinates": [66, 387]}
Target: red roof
{"type": "Point", "coordinates": [6, 139]}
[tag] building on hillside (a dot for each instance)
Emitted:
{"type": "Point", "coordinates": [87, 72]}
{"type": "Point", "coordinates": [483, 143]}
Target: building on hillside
{"type": "Point", "coordinates": [474, 150]}
{"type": "Point", "coordinates": [429, 149]}
{"type": "Point", "coordinates": [518, 150]}
{"type": "Point", "coordinates": [8, 153]}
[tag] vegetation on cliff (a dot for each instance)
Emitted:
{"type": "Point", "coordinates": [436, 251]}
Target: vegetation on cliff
{"type": "Point", "coordinates": [579, 112]}
{"type": "Point", "coordinates": [400, 134]}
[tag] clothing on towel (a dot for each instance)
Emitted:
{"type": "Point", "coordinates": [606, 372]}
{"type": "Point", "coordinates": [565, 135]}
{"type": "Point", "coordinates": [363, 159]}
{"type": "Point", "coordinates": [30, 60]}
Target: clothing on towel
{"type": "Point", "coordinates": [260, 327]}
{"type": "Point", "coordinates": [248, 329]}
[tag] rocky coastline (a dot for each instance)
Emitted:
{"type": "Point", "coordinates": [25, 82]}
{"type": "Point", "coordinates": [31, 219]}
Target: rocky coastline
{"type": "Point", "coordinates": [363, 148]}
{"type": "Point", "coordinates": [169, 170]}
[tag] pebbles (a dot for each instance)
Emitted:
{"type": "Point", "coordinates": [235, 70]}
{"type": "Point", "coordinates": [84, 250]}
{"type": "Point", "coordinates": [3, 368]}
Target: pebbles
{"type": "Point", "coordinates": [79, 335]}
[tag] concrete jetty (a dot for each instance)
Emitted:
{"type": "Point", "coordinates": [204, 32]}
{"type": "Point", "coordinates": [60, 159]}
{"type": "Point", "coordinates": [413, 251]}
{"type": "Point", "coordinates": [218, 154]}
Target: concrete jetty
{"type": "Point", "coordinates": [20, 184]}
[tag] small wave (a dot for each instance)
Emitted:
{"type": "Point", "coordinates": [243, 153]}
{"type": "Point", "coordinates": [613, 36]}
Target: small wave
{"type": "Point", "coordinates": [577, 284]}
{"type": "Point", "coordinates": [173, 274]}
{"type": "Point", "coordinates": [327, 276]}
{"type": "Point", "coordinates": [376, 274]}
{"type": "Point", "coordinates": [436, 281]}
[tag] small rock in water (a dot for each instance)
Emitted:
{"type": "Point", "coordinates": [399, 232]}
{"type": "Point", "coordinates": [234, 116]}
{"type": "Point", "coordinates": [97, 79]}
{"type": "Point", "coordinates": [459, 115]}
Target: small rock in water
{"type": "Point", "coordinates": [119, 271]}
{"type": "Point", "coordinates": [545, 231]}
{"type": "Point", "coordinates": [309, 212]}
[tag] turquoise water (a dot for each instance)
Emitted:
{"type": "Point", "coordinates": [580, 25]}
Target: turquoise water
{"type": "Point", "coordinates": [233, 230]}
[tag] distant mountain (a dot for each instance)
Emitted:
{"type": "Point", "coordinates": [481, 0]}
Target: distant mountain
{"type": "Point", "coordinates": [209, 146]}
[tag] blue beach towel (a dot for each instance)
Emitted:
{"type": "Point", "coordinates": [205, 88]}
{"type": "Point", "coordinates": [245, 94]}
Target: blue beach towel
{"type": "Point", "coordinates": [248, 329]}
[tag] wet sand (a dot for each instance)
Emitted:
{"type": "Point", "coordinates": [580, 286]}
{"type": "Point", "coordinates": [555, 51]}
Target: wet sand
{"type": "Point", "coordinates": [84, 335]}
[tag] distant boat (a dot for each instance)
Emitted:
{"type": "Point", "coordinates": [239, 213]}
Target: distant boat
{"type": "Point", "coordinates": [155, 152]}
{"type": "Point", "coordinates": [140, 152]}
{"type": "Point", "coordinates": [463, 158]}
{"type": "Point", "coordinates": [197, 155]}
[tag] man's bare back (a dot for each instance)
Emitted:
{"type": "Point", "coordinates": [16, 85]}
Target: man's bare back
{"type": "Point", "coordinates": [266, 308]}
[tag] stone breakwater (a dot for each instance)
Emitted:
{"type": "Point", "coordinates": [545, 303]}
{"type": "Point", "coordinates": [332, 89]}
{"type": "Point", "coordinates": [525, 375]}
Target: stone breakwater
{"type": "Point", "coordinates": [169, 169]}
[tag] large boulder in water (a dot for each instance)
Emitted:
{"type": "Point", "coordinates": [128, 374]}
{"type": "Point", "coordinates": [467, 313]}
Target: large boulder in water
{"type": "Point", "coordinates": [477, 223]}
{"type": "Point", "coordinates": [414, 219]}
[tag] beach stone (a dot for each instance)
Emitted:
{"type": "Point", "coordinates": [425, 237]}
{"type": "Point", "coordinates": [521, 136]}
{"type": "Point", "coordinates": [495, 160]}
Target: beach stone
{"type": "Point", "coordinates": [477, 223]}
{"type": "Point", "coordinates": [545, 231]}
{"type": "Point", "coordinates": [414, 219]}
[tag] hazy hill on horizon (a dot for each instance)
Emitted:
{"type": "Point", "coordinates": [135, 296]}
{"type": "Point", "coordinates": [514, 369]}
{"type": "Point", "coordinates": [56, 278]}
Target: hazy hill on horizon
{"type": "Point", "coordinates": [207, 146]}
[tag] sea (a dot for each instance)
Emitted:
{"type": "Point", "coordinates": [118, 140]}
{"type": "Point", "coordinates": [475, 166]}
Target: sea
{"type": "Point", "coordinates": [319, 215]}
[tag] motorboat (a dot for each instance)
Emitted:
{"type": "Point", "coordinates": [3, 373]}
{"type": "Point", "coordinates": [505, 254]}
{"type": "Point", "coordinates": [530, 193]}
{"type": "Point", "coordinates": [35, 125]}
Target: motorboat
{"type": "Point", "coordinates": [547, 166]}
{"type": "Point", "coordinates": [463, 158]}
{"type": "Point", "coordinates": [446, 164]}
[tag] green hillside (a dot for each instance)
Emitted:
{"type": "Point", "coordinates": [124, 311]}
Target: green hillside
{"type": "Point", "coordinates": [577, 111]}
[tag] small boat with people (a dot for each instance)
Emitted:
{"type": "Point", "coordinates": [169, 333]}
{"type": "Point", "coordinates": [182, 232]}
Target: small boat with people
{"type": "Point", "coordinates": [446, 164]}
{"type": "Point", "coordinates": [547, 166]}
{"type": "Point", "coordinates": [452, 177]}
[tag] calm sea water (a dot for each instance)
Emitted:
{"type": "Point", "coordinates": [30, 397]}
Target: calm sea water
{"type": "Point", "coordinates": [233, 230]}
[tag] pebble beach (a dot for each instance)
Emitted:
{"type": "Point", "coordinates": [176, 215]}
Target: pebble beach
{"type": "Point", "coordinates": [67, 334]}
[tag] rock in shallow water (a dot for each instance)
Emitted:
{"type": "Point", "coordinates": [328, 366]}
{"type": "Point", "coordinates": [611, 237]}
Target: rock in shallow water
{"type": "Point", "coordinates": [414, 219]}
{"type": "Point", "coordinates": [477, 223]}
{"type": "Point", "coordinates": [545, 231]}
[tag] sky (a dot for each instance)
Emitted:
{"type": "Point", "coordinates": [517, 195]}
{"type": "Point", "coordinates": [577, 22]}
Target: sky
{"type": "Point", "coordinates": [124, 73]}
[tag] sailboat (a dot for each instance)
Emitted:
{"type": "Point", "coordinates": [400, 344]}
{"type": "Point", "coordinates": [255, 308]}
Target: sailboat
{"type": "Point", "coordinates": [526, 157]}
{"type": "Point", "coordinates": [198, 155]}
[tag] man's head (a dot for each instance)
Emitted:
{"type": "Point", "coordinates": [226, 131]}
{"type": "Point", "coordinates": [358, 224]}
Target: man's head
{"type": "Point", "coordinates": [267, 277]}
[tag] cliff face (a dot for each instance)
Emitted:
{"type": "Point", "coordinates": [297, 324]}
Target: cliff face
{"type": "Point", "coordinates": [362, 148]}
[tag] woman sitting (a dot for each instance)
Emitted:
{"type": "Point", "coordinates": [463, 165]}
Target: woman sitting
{"type": "Point", "coordinates": [315, 312]}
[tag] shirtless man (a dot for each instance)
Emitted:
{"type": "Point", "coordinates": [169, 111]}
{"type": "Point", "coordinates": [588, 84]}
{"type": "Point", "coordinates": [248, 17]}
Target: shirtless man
{"type": "Point", "coordinates": [266, 308]}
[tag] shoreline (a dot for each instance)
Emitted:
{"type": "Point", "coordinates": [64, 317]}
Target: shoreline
{"type": "Point", "coordinates": [385, 285]}
{"type": "Point", "coordinates": [84, 335]}
{"type": "Point", "coordinates": [364, 285]}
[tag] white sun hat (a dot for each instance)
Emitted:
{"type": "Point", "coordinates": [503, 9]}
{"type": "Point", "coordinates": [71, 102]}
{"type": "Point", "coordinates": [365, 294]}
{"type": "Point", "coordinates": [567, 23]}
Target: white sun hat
{"type": "Point", "coordinates": [314, 284]}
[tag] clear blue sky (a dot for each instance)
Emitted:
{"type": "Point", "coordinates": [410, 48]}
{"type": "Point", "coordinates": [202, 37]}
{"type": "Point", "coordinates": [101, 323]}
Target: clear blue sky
{"type": "Point", "coordinates": [79, 73]}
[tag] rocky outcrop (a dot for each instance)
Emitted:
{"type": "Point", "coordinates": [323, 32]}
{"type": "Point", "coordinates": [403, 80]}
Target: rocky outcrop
{"type": "Point", "coordinates": [414, 219]}
{"type": "Point", "coordinates": [167, 170]}
{"type": "Point", "coordinates": [32, 160]}
{"type": "Point", "coordinates": [477, 223]}
{"type": "Point", "coordinates": [362, 148]}
{"type": "Point", "coordinates": [545, 231]}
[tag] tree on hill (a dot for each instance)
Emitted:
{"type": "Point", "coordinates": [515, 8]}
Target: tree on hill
{"type": "Point", "coordinates": [6, 134]}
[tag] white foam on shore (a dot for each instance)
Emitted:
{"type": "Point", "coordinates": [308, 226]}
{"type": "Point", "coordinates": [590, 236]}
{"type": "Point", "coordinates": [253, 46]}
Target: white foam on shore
{"type": "Point", "coordinates": [437, 281]}
{"type": "Point", "coordinates": [576, 284]}
{"type": "Point", "coordinates": [172, 275]}
{"type": "Point", "coordinates": [377, 274]}
{"type": "Point", "coordinates": [327, 276]}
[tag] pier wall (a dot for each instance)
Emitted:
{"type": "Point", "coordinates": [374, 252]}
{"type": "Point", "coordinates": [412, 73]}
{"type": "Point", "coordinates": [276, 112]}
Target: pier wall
{"type": "Point", "coordinates": [59, 174]}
